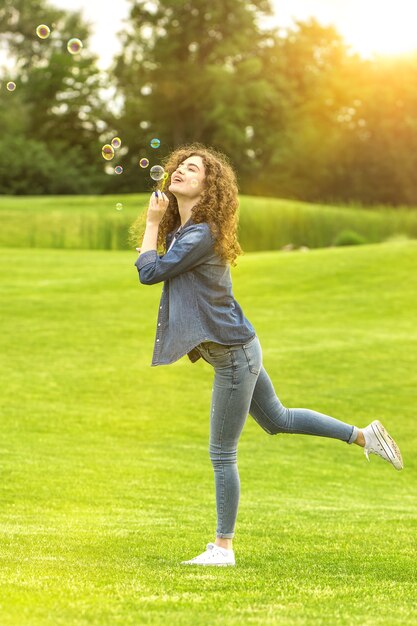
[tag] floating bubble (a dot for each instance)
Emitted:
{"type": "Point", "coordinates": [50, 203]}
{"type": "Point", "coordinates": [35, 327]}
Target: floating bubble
{"type": "Point", "coordinates": [157, 172]}
{"type": "Point", "coordinates": [107, 152]}
{"type": "Point", "coordinates": [11, 86]}
{"type": "Point", "coordinates": [155, 142]}
{"type": "Point", "coordinates": [116, 142]}
{"type": "Point", "coordinates": [118, 169]}
{"type": "Point", "coordinates": [144, 163]}
{"type": "Point", "coordinates": [119, 206]}
{"type": "Point", "coordinates": [43, 31]}
{"type": "Point", "coordinates": [74, 45]}
{"type": "Point", "coordinates": [194, 182]}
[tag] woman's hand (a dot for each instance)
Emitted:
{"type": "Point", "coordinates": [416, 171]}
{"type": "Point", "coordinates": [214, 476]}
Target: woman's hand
{"type": "Point", "coordinates": [158, 204]}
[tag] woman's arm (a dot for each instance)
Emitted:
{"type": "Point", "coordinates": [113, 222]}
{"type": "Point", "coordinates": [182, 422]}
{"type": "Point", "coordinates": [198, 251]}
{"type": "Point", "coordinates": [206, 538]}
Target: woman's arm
{"type": "Point", "coordinates": [158, 204]}
{"type": "Point", "coordinates": [150, 238]}
{"type": "Point", "coordinates": [191, 248]}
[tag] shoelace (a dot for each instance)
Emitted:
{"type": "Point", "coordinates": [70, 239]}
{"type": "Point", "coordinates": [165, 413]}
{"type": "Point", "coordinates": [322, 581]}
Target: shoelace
{"type": "Point", "coordinates": [369, 449]}
{"type": "Point", "coordinates": [385, 454]}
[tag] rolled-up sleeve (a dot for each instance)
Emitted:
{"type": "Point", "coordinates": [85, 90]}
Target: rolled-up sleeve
{"type": "Point", "coordinates": [187, 252]}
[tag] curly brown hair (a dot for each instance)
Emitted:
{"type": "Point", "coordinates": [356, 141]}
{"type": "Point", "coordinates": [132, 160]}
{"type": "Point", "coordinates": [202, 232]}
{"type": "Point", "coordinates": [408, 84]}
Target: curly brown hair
{"type": "Point", "coordinates": [218, 205]}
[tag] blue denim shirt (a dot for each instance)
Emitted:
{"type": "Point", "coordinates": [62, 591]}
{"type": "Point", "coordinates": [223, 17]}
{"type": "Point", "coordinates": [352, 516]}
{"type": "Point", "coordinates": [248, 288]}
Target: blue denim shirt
{"type": "Point", "coordinates": [197, 303]}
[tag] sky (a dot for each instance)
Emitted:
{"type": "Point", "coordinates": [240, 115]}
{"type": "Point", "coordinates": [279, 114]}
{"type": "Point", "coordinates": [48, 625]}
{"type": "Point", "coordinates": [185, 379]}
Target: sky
{"type": "Point", "coordinates": [369, 26]}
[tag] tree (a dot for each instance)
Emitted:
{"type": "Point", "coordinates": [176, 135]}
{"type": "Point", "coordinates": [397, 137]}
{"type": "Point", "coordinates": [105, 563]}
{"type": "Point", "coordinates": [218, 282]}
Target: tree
{"type": "Point", "coordinates": [57, 100]}
{"type": "Point", "coordinates": [310, 70]}
{"type": "Point", "coordinates": [190, 72]}
{"type": "Point", "coordinates": [377, 155]}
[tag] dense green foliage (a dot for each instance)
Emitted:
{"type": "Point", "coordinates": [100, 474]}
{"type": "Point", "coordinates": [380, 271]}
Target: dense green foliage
{"type": "Point", "coordinates": [106, 479]}
{"type": "Point", "coordinates": [299, 114]}
{"type": "Point", "coordinates": [264, 223]}
{"type": "Point", "coordinates": [50, 125]}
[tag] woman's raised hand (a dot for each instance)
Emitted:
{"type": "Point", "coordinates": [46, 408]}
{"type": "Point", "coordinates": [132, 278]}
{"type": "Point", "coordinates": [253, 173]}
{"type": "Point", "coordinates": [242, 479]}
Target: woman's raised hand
{"type": "Point", "coordinates": [158, 204]}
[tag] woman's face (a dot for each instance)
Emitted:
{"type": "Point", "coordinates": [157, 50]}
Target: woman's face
{"type": "Point", "coordinates": [188, 178]}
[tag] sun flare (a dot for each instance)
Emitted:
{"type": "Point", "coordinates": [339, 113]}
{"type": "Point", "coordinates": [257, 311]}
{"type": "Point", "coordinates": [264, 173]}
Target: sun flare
{"type": "Point", "coordinates": [382, 29]}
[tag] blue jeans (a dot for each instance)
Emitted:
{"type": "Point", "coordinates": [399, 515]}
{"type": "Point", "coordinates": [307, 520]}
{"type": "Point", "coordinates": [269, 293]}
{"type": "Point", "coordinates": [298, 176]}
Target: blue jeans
{"type": "Point", "coordinates": [242, 386]}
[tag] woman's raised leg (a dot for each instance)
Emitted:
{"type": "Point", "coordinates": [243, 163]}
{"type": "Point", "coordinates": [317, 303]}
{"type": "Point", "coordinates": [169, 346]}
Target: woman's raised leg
{"type": "Point", "coordinates": [274, 418]}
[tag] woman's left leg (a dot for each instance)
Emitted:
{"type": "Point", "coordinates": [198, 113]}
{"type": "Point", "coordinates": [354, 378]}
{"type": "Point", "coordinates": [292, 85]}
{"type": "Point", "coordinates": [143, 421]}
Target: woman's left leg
{"type": "Point", "coordinates": [274, 418]}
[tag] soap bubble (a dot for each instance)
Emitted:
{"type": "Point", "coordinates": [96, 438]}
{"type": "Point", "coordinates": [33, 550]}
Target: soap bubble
{"type": "Point", "coordinates": [107, 152]}
{"type": "Point", "coordinates": [11, 86]}
{"type": "Point", "coordinates": [43, 31]}
{"type": "Point", "coordinates": [194, 182]}
{"type": "Point", "coordinates": [155, 143]}
{"type": "Point", "coordinates": [118, 169]}
{"type": "Point", "coordinates": [157, 172]}
{"type": "Point", "coordinates": [116, 142]}
{"type": "Point", "coordinates": [119, 206]}
{"type": "Point", "coordinates": [144, 162]}
{"type": "Point", "coordinates": [74, 45]}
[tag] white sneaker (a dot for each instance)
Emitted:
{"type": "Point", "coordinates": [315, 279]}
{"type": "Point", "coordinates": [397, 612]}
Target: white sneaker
{"type": "Point", "coordinates": [214, 555]}
{"type": "Point", "coordinates": [378, 441]}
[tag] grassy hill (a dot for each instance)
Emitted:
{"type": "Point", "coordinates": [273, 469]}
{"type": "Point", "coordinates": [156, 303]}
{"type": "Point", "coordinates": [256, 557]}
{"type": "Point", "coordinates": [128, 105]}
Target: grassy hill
{"type": "Point", "coordinates": [92, 222]}
{"type": "Point", "coordinates": [106, 479]}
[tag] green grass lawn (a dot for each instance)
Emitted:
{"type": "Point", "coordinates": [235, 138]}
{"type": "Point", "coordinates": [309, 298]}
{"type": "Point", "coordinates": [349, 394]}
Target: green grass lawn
{"type": "Point", "coordinates": [106, 482]}
{"type": "Point", "coordinates": [92, 222]}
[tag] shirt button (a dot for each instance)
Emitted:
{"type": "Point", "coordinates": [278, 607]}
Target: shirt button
{"type": "Point", "coordinates": [159, 324]}
{"type": "Point", "coordinates": [157, 339]}
{"type": "Point", "coordinates": [160, 307]}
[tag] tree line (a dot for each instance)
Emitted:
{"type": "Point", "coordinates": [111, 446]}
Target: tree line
{"type": "Point", "coordinates": [299, 114]}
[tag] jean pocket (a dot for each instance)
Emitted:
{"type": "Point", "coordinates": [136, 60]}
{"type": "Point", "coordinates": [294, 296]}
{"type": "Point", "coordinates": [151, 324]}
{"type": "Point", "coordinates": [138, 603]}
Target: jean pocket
{"type": "Point", "coordinates": [253, 355]}
{"type": "Point", "coordinates": [217, 349]}
{"type": "Point", "coordinates": [250, 342]}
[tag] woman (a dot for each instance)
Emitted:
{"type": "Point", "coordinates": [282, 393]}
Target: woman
{"type": "Point", "coordinates": [196, 223]}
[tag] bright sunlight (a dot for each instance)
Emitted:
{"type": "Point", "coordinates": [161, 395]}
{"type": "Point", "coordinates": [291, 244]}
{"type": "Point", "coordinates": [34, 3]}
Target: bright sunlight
{"type": "Point", "coordinates": [383, 29]}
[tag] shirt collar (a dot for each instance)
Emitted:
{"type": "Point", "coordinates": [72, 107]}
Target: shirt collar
{"type": "Point", "coordinates": [187, 223]}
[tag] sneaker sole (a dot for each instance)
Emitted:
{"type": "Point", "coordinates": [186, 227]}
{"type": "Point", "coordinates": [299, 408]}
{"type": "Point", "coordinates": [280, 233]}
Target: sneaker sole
{"type": "Point", "coordinates": [388, 444]}
{"type": "Point", "coordinates": [211, 564]}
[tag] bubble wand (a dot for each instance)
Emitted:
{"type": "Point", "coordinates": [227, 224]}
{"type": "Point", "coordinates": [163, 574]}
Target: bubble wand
{"type": "Point", "coordinates": [166, 176]}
